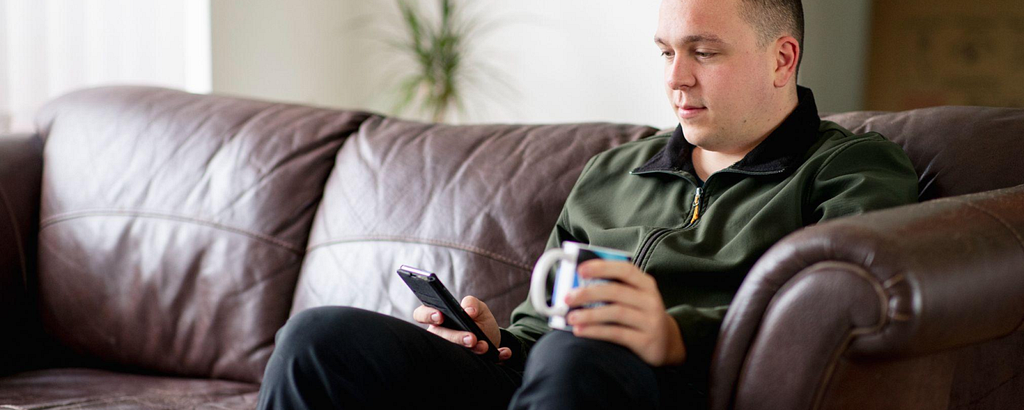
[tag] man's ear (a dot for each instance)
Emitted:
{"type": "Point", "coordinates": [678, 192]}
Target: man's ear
{"type": "Point", "coordinates": [787, 57]}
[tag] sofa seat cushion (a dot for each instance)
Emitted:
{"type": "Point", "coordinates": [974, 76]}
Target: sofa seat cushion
{"type": "Point", "coordinates": [77, 388]}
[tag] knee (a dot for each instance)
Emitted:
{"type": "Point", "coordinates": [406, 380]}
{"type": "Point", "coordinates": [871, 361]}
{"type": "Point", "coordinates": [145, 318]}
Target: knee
{"type": "Point", "coordinates": [585, 373]}
{"type": "Point", "coordinates": [561, 355]}
{"type": "Point", "coordinates": [576, 362]}
{"type": "Point", "coordinates": [319, 328]}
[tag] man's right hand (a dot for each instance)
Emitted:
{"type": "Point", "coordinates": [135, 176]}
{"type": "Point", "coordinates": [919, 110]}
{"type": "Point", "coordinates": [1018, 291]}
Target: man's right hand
{"type": "Point", "coordinates": [478, 311]}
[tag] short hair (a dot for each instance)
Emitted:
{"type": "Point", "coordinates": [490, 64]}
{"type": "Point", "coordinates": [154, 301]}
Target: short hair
{"type": "Point", "coordinates": [770, 18]}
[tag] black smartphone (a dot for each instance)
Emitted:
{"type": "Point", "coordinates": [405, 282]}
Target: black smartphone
{"type": "Point", "coordinates": [429, 289]}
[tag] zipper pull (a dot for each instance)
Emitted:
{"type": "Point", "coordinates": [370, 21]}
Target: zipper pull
{"type": "Point", "coordinates": [696, 206]}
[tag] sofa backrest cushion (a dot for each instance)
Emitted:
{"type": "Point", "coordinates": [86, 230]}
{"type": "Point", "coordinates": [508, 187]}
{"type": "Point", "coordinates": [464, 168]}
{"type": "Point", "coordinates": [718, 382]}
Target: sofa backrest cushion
{"type": "Point", "coordinates": [173, 225]}
{"type": "Point", "coordinates": [474, 204]}
{"type": "Point", "coordinates": [955, 150]}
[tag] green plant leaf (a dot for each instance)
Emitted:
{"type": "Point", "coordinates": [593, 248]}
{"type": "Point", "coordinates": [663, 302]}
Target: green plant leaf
{"type": "Point", "coordinates": [436, 49]}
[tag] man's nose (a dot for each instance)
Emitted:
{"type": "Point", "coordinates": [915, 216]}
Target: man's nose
{"type": "Point", "coordinates": [679, 75]}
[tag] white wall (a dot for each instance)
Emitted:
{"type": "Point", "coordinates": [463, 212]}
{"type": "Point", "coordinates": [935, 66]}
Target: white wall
{"type": "Point", "coordinates": [837, 37]}
{"type": "Point", "coordinates": [5, 105]}
{"type": "Point", "coordinates": [50, 47]}
{"type": "Point", "coordinates": [299, 51]}
{"type": "Point", "coordinates": [568, 60]}
{"type": "Point", "coordinates": [580, 61]}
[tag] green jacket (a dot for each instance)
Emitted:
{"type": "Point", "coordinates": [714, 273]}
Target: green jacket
{"type": "Point", "coordinates": [700, 238]}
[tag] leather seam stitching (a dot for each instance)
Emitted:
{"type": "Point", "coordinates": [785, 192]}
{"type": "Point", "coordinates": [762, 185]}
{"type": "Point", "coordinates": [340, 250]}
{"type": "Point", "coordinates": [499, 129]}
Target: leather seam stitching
{"type": "Point", "coordinates": [424, 241]}
{"type": "Point", "coordinates": [64, 217]}
{"type": "Point", "coordinates": [77, 403]}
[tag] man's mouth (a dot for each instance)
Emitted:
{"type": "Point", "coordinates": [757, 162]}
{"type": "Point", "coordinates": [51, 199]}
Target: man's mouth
{"type": "Point", "coordinates": [689, 111]}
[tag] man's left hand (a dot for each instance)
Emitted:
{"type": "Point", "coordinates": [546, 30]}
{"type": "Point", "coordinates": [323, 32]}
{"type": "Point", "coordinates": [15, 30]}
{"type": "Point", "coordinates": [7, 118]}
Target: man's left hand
{"type": "Point", "coordinates": [634, 316]}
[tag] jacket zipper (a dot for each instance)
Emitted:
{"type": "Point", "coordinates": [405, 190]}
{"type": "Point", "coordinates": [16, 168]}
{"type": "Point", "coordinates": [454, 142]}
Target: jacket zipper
{"type": "Point", "coordinates": [657, 234]}
{"type": "Point", "coordinates": [648, 244]}
{"type": "Point", "coordinates": [696, 206]}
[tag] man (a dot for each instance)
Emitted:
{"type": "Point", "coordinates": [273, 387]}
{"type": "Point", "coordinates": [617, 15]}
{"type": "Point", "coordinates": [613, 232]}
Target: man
{"type": "Point", "coordinates": [749, 163]}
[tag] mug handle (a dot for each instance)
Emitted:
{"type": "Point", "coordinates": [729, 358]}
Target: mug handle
{"type": "Point", "coordinates": [539, 279]}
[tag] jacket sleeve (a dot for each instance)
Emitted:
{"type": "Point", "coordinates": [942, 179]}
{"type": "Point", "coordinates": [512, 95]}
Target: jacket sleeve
{"type": "Point", "coordinates": [526, 324]}
{"type": "Point", "coordinates": [865, 176]}
{"type": "Point", "coordinates": [699, 327]}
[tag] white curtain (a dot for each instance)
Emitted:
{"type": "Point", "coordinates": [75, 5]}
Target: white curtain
{"type": "Point", "coordinates": [51, 47]}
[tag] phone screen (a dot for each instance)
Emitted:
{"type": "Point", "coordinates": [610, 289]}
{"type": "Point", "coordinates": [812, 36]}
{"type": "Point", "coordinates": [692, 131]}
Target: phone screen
{"type": "Point", "coordinates": [429, 290]}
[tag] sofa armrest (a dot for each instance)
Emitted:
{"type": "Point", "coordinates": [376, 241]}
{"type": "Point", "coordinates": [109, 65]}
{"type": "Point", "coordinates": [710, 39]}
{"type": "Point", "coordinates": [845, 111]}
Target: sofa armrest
{"type": "Point", "coordinates": [21, 170]}
{"type": "Point", "coordinates": [888, 285]}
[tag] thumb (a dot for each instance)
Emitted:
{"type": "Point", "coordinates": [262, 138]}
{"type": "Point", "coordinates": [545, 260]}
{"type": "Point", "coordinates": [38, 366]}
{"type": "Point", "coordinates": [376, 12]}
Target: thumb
{"type": "Point", "coordinates": [473, 306]}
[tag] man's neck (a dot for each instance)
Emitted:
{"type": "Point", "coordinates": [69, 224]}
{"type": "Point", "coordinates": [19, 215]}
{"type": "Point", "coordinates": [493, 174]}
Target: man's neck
{"type": "Point", "coordinates": [707, 162]}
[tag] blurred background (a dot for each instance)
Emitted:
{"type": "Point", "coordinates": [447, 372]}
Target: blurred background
{"type": "Point", "coordinates": [525, 61]}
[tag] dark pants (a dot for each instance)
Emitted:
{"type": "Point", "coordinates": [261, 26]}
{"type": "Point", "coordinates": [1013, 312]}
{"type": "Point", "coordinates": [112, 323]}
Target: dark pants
{"type": "Point", "coordinates": [340, 357]}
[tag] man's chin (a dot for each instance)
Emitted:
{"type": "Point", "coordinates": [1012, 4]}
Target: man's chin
{"type": "Point", "coordinates": [694, 135]}
{"type": "Point", "coordinates": [695, 140]}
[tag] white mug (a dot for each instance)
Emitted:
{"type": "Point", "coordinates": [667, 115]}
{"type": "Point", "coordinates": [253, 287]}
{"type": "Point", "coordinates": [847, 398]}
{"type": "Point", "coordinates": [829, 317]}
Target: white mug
{"type": "Point", "coordinates": [571, 254]}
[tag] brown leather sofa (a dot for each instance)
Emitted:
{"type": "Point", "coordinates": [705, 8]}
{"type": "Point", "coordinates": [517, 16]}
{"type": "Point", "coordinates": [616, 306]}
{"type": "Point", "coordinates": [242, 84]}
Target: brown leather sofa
{"type": "Point", "coordinates": [152, 242]}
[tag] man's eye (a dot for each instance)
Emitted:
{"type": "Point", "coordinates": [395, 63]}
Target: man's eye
{"type": "Point", "coordinates": [703, 54]}
{"type": "Point", "coordinates": [666, 54]}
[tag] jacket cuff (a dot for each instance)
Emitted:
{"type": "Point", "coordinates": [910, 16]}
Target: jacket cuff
{"type": "Point", "coordinates": [518, 360]}
{"type": "Point", "coordinates": [699, 328]}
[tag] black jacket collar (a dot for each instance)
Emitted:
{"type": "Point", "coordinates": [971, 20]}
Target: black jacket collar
{"type": "Point", "coordinates": [782, 150]}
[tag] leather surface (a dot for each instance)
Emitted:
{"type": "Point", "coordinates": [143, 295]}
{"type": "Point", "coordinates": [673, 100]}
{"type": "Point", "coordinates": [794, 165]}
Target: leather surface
{"type": "Point", "coordinates": [955, 150]}
{"type": "Point", "coordinates": [74, 388]}
{"type": "Point", "coordinates": [474, 204]}
{"type": "Point", "coordinates": [989, 376]}
{"type": "Point", "coordinates": [946, 273]}
{"type": "Point", "coordinates": [173, 228]}
{"type": "Point", "coordinates": [21, 171]}
{"type": "Point", "coordinates": [809, 319]}
{"type": "Point", "coordinates": [173, 225]}
{"type": "Point", "coordinates": [917, 383]}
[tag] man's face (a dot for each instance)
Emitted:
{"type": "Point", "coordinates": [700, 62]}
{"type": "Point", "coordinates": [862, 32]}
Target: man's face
{"type": "Point", "coordinates": [718, 80]}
